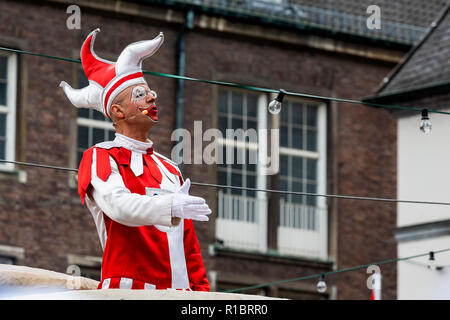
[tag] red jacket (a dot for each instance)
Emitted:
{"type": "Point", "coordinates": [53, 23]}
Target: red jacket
{"type": "Point", "coordinates": [145, 256]}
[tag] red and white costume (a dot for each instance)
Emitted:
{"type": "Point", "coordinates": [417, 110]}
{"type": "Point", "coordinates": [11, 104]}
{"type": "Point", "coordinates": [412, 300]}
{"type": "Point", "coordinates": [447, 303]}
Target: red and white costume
{"type": "Point", "coordinates": [129, 190]}
{"type": "Point", "coordinates": [133, 193]}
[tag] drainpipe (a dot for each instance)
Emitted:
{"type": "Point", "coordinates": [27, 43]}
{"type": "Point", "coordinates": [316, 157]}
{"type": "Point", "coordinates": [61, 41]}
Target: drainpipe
{"type": "Point", "coordinates": [181, 57]}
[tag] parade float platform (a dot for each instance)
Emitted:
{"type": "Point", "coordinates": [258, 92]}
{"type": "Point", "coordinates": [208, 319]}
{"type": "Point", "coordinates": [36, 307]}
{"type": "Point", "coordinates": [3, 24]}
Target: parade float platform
{"type": "Point", "coordinates": [25, 283]}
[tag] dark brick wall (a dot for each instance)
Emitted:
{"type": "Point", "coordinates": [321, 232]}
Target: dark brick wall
{"type": "Point", "coordinates": [45, 215]}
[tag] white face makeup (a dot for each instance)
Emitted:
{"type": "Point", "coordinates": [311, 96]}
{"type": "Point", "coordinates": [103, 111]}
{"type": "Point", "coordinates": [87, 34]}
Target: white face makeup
{"type": "Point", "coordinates": [140, 92]}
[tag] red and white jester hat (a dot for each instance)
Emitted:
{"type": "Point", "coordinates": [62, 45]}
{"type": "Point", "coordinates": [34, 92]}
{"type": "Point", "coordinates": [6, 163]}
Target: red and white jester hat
{"type": "Point", "coordinates": [106, 78]}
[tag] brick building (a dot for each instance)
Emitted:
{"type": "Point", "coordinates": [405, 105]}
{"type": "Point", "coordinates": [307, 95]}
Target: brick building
{"type": "Point", "coordinates": [326, 147]}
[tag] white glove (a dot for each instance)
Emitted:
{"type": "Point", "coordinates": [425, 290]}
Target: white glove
{"type": "Point", "coordinates": [189, 207]}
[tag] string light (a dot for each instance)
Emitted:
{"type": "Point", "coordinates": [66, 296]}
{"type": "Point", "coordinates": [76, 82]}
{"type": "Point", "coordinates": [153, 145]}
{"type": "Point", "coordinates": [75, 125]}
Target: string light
{"type": "Point", "coordinates": [300, 193]}
{"type": "Point", "coordinates": [236, 85]}
{"type": "Point", "coordinates": [275, 105]}
{"type": "Point", "coordinates": [425, 123]}
{"type": "Point", "coordinates": [431, 261]}
{"type": "Point", "coordinates": [322, 285]}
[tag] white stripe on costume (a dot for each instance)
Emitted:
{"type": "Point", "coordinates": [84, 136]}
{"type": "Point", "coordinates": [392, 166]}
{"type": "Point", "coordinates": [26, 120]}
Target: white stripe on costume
{"type": "Point", "coordinates": [105, 284]}
{"type": "Point", "coordinates": [125, 283]}
{"type": "Point", "coordinates": [180, 279]}
{"type": "Point", "coordinates": [149, 286]}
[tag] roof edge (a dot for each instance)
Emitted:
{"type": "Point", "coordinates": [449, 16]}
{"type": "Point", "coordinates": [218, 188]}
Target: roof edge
{"type": "Point", "coordinates": [413, 50]}
{"type": "Point", "coordinates": [417, 91]}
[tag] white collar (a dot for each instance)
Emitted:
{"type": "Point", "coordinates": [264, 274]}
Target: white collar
{"type": "Point", "coordinates": [132, 144]}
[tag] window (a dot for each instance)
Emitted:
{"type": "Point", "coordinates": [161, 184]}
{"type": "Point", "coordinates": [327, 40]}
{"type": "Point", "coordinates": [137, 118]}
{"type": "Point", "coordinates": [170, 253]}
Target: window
{"type": "Point", "coordinates": [92, 126]}
{"type": "Point", "coordinates": [11, 254]}
{"type": "Point", "coordinates": [8, 86]}
{"type": "Point", "coordinates": [7, 260]}
{"type": "Point", "coordinates": [242, 214]}
{"type": "Point", "coordinates": [237, 110]}
{"type": "Point", "coordinates": [299, 151]}
{"type": "Point", "coordinates": [303, 224]}
{"type": "Point", "coordinates": [90, 266]}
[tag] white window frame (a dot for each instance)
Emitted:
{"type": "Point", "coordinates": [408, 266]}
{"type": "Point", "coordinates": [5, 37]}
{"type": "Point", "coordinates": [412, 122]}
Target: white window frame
{"type": "Point", "coordinates": [252, 235]}
{"type": "Point", "coordinates": [320, 154]}
{"type": "Point", "coordinates": [258, 226]}
{"type": "Point", "coordinates": [10, 110]}
{"type": "Point", "coordinates": [302, 242]}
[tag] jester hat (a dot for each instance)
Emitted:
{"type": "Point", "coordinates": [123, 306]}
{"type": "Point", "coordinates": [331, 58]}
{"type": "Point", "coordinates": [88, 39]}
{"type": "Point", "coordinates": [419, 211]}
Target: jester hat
{"type": "Point", "coordinates": [106, 78]}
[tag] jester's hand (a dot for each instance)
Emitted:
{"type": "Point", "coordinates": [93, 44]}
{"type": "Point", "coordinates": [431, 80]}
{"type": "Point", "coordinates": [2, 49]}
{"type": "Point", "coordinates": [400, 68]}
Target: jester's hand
{"type": "Point", "coordinates": [189, 207]}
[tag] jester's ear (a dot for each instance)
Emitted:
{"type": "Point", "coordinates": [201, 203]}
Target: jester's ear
{"type": "Point", "coordinates": [132, 56]}
{"type": "Point", "coordinates": [87, 97]}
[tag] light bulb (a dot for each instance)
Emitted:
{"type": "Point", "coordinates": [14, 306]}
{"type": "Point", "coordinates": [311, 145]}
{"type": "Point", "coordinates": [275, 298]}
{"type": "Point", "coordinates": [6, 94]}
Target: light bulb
{"type": "Point", "coordinates": [431, 262]}
{"type": "Point", "coordinates": [321, 285]}
{"type": "Point", "coordinates": [425, 123]}
{"type": "Point", "coordinates": [275, 105]}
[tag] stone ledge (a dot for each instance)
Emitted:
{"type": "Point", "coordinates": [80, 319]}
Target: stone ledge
{"type": "Point", "coordinates": [127, 294]}
{"type": "Point", "coordinates": [20, 276]}
{"type": "Point", "coordinates": [25, 283]}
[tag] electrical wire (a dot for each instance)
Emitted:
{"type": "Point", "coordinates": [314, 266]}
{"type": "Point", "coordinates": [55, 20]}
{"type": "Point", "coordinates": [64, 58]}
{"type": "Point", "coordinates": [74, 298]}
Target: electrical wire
{"type": "Point", "coordinates": [243, 86]}
{"type": "Point", "coordinates": [266, 90]}
{"type": "Point", "coordinates": [331, 272]}
{"type": "Point", "coordinates": [256, 189]}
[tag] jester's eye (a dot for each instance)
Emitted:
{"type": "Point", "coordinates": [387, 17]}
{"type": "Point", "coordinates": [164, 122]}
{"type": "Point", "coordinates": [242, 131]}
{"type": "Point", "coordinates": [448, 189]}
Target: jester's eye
{"type": "Point", "coordinates": [138, 93]}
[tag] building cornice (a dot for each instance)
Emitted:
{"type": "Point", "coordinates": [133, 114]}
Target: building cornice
{"type": "Point", "coordinates": [422, 231]}
{"type": "Point", "coordinates": [336, 42]}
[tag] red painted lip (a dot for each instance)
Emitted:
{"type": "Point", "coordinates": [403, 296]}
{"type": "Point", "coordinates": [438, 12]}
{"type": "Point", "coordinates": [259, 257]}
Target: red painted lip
{"type": "Point", "coordinates": [150, 109]}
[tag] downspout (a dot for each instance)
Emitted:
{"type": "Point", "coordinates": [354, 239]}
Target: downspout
{"type": "Point", "coordinates": [181, 59]}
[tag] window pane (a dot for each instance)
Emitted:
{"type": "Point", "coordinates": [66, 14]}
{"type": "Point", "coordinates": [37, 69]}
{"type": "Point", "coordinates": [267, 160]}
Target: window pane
{"type": "Point", "coordinates": [311, 169]}
{"type": "Point", "coordinates": [251, 183]}
{"type": "Point", "coordinates": [7, 260]}
{"type": "Point", "coordinates": [111, 135]}
{"type": "Point", "coordinates": [79, 157]}
{"type": "Point", "coordinates": [284, 165]}
{"type": "Point", "coordinates": [2, 149]}
{"type": "Point", "coordinates": [223, 123]}
{"type": "Point", "coordinates": [222, 177]}
{"type": "Point", "coordinates": [237, 103]}
{"type": "Point", "coordinates": [2, 125]}
{"type": "Point", "coordinates": [311, 140]}
{"type": "Point", "coordinates": [311, 116]}
{"type": "Point", "coordinates": [251, 160]}
{"type": "Point", "coordinates": [83, 137]}
{"type": "Point", "coordinates": [98, 115]}
{"type": "Point", "coordinates": [285, 113]}
{"type": "Point", "coordinates": [311, 200]}
{"type": "Point", "coordinates": [297, 138]}
{"type": "Point", "coordinates": [297, 113]}
{"type": "Point", "coordinates": [83, 113]}
{"type": "Point", "coordinates": [297, 187]}
{"type": "Point", "coordinates": [252, 101]}
{"type": "Point", "coordinates": [3, 67]}
{"type": "Point", "coordinates": [3, 88]}
{"type": "Point", "coordinates": [284, 137]}
{"type": "Point", "coordinates": [223, 102]}
{"type": "Point", "coordinates": [236, 180]}
{"type": "Point", "coordinates": [82, 80]}
{"type": "Point", "coordinates": [283, 187]}
{"type": "Point", "coordinates": [237, 124]}
{"type": "Point", "coordinates": [297, 167]}
{"type": "Point", "coordinates": [98, 136]}
{"type": "Point", "coordinates": [239, 158]}
{"type": "Point", "coordinates": [252, 124]}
